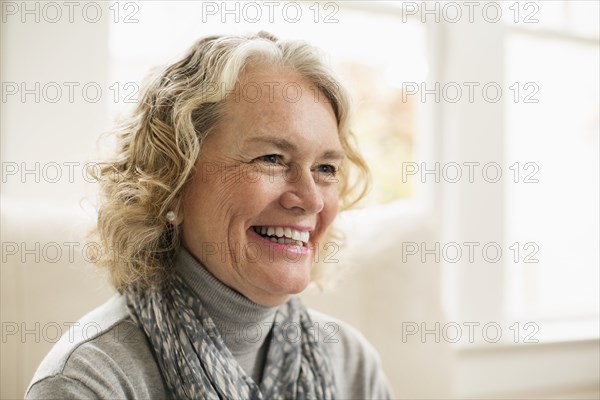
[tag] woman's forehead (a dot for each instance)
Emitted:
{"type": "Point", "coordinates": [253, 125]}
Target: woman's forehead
{"type": "Point", "coordinates": [299, 124]}
{"type": "Point", "coordinates": [281, 112]}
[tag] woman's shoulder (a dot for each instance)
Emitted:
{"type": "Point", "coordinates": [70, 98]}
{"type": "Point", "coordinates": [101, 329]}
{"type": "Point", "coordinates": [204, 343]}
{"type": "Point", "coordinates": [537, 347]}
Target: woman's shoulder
{"type": "Point", "coordinates": [103, 352]}
{"type": "Point", "coordinates": [356, 363]}
{"type": "Point", "coordinates": [336, 331]}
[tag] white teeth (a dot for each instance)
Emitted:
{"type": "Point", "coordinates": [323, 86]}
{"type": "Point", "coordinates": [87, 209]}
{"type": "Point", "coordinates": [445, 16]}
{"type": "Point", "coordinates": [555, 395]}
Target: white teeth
{"type": "Point", "coordinates": [304, 237]}
{"type": "Point", "coordinates": [280, 233]}
{"type": "Point", "coordinates": [281, 241]}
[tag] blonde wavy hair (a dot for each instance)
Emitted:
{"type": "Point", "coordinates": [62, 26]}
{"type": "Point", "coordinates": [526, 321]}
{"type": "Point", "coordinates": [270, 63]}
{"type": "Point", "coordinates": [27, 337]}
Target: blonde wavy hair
{"type": "Point", "coordinates": [159, 143]}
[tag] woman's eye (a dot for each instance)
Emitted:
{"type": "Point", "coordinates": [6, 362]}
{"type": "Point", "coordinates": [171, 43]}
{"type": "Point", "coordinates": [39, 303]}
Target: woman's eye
{"type": "Point", "coordinates": [328, 169]}
{"type": "Point", "coordinates": [271, 159]}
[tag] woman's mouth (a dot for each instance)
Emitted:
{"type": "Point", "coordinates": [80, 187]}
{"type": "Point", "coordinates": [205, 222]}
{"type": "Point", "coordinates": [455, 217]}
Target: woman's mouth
{"type": "Point", "coordinates": [281, 235]}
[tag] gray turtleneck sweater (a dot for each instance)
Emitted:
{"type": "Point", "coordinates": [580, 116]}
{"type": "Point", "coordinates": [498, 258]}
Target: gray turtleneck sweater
{"type": "Point", "coordinates": [115, 360]}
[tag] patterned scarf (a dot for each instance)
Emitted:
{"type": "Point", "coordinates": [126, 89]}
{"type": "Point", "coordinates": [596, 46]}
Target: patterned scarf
{"type": "Point", "coordinates": [196, 363]}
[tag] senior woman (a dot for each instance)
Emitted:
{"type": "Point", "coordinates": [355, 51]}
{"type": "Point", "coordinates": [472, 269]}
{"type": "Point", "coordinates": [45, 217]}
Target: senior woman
{"type": "Point", "coordinates": [228, 176]}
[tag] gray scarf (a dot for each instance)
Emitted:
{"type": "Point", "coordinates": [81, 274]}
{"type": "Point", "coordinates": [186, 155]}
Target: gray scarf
{"type": "Point", "coordinates": [196, 363]}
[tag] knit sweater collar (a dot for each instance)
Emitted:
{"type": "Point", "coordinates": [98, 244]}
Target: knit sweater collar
{"type": "Point", "coordinates": [243, 324]}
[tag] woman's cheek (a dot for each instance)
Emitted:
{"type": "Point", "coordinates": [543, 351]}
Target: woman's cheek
{"type": "Point", "coordinates": [331, 207]}
{"type": "Point", "coordinates": [333, 199]}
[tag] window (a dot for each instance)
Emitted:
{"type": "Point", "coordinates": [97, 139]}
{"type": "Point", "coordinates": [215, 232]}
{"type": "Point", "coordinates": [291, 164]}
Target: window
{"type": "Point", "coordinates": [552, 204]}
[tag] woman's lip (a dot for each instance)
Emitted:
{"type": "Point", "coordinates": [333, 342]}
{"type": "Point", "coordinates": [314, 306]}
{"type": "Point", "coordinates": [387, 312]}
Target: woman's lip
{"type": "Point", "coordinates": [278, 246]}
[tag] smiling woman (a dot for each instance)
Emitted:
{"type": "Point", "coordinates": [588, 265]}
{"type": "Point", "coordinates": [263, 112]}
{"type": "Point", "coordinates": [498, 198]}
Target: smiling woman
{"type": "Point", "coordinates": [271, 136]}
{"type": "Point", "coordinates": [228, 177]}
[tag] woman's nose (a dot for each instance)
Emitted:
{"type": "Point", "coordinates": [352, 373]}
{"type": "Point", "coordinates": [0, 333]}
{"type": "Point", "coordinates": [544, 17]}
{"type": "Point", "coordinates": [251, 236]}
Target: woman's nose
{"type": "Point", "coordinates": [302, 192]}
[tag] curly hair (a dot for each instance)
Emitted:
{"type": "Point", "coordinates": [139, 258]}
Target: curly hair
{"type": "Point", "coordinates": [159, 143]}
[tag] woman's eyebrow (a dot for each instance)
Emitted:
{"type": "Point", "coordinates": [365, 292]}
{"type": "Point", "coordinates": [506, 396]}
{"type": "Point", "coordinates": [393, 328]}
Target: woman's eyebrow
{"type": "Point", "coordinates": [280, 143]}
{"type": "Point", "coordinates": [334, 155]}
{"type": "Point", "coordinates": [285, 145]}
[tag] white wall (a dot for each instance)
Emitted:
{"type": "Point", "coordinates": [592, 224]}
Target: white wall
{"type": "Point", "coordinates": [38, 211]}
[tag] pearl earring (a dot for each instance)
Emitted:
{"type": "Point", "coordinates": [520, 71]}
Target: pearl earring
{"type": "Point", "coordinates": [171, 216]}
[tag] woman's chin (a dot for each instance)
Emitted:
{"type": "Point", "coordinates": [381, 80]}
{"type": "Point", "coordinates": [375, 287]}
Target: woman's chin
{"type": "Point", "coordinates": [289, 280]}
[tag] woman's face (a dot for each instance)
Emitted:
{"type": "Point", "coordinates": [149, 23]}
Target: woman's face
{"type": "Point", "coordinates": [265, 189]}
